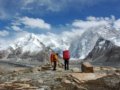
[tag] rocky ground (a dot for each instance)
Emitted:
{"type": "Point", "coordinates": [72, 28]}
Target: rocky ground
{"type": "Point", "coordinates": [43, 78]}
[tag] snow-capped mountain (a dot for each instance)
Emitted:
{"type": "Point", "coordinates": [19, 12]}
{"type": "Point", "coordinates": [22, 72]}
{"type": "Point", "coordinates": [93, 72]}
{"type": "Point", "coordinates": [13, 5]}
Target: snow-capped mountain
{"type": "Point", "coordinates": [29, 47]}
{"type": "Point", "coordinates": [29, 43]}
{"type": "Point", "coordinates": [81, 47]}
{"type": "Point", "coordinates": [32, 42]}
{"type": "Point", "coordinates": [105, 52]}
{"type": "Point", "coordinates": [101, 47]}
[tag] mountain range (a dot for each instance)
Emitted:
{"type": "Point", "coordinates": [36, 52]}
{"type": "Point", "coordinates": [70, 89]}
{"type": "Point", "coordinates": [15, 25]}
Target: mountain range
{"type": "Point", "coordinates": [81, 46]}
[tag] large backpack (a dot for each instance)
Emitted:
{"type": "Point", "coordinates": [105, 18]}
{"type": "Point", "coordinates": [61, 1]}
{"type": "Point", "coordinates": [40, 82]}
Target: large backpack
{"type": "Point", "coordinates": [66, 55]}
{"type": "Point", "coordinates": [53, 57]}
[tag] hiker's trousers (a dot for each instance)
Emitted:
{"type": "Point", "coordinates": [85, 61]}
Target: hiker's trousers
{"type": "Point", "coordinates": [66, 63]}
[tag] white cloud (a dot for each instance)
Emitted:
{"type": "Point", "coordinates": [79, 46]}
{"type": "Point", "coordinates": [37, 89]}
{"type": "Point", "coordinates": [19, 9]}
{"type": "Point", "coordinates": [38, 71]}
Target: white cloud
{"type": "Point", "coordinates": [117, 24]}
{"type": "Point", "coordinates": [46, 5]}
{"type": "Point", "coordinates": [90, 22]}
{"type": "Point", "coordinates": [73, 33]}
{"type": "Point", "coordinates": [20, 34]}
{"type": "Point", "coordinates": [26, 2]}
{"type": "Point", "coordinates": [16, 28]}
{"type": "Point", "coordinates": [34, 23]}
{"type": "Point", "coordinates": [56, 6]}
{"type": "Point", "coordinates": [78, 27]}
{"type": "Point", "coordinates": [91, 18]}
{"type": "Point", "coordinates": [3, 44]}
{"type": "Point", "coordinates": [4, 33]}
{"type": "Point", "coordinates": [25, 23]}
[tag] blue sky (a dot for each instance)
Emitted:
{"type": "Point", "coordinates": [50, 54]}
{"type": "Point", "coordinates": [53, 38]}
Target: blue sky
{"type": "Point", "coordinates": [56, 16]}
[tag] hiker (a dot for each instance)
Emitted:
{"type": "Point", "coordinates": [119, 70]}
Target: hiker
{"type": "Point", "coordinates": [51, 58]}
{"type": "Point", "coordinates": [54, 59]}
{"type": "Point", "coordinates": [66, 57]}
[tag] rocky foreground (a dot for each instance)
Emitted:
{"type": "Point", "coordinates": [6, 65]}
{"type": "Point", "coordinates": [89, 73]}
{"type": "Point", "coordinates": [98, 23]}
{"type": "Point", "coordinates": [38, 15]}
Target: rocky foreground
{"type": "Point", "coordinates": [43, 78]}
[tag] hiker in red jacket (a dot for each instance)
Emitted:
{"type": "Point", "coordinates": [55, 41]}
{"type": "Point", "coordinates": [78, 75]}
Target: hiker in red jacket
{"type": "Point", "coordinates": [66, 57]}
{"type": "Point", "coordinates": [54, 60]}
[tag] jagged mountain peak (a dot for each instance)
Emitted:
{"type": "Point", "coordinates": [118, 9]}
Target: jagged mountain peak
{"type": "Point", "coordinates": [101, 47]}
{"type": "Point", "coordinates": [30, 42]}
{"type": "Point", "coordinates": [105, 53]}
{"type": "Point", "coordinates": [101, 41]}
{"type": "Point", "coordinates": [28, 47]}
{"type": "Point", "coordinates": [29, 37]}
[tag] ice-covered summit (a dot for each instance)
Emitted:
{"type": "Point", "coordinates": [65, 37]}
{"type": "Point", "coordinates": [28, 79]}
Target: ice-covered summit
{"type": "Point", "coordinates": [28, 43]}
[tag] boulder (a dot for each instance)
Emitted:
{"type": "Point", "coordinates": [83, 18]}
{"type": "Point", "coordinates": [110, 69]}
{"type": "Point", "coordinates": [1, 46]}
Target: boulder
{"type": "Point", "coordinates": [87, 67]}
